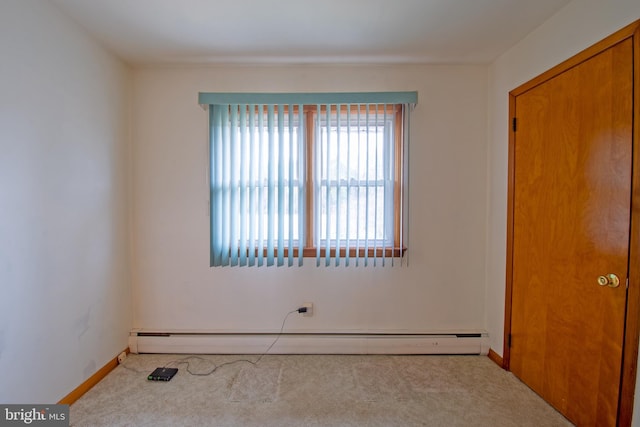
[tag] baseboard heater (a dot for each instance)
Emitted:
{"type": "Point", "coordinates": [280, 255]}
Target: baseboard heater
{"type": "Point", "coordinates": [227, 343]}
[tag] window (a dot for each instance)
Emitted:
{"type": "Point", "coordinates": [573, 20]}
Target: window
{"type": "Point", "coordinates": [292, 178]}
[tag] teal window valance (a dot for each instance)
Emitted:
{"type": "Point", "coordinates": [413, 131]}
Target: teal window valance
{"type": "Point", "coordinates": [222, 98]}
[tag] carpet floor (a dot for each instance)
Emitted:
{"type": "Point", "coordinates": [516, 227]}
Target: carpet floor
{"type": "Point", "coordinates": [313, 390]}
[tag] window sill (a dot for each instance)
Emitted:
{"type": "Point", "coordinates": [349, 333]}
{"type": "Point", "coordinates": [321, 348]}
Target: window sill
{"type": "Point", "coordinates": [387, 252]}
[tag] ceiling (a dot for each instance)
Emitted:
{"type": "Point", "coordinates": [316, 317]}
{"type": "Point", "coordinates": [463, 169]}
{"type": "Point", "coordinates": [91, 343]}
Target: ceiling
{"type": "Point", "coordinates": [309, 31]}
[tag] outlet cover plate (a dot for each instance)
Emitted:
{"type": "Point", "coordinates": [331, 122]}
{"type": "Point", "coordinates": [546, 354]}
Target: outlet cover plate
{"type": "Point", "coordinates": [309, 306]}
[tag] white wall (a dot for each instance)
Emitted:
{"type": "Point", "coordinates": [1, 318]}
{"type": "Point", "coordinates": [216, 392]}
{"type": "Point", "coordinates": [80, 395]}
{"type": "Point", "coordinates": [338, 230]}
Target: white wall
{"type": "Point", "coordinates": [442, 289]}
{"type": "Point", "coordinates": [65, 302]}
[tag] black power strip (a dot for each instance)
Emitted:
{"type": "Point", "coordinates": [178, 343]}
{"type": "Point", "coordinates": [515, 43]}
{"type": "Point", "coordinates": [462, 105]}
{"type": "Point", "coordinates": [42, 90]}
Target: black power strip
{"type": "Point", "coordinates": [162, 374]}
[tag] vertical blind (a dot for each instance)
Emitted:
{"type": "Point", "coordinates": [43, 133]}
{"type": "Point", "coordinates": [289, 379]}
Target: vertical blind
{"type": "Point", "coordinates": [319, 175]}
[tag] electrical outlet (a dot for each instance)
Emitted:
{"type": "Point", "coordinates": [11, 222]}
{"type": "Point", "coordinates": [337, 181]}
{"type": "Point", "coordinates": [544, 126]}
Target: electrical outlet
{"type": "Point", "coordinates": [121, 357]}
{"type": "Point", "coordinates": [309, 307]}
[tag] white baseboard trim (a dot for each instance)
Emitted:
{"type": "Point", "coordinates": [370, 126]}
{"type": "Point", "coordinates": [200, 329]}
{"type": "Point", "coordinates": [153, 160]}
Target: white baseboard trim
{"type": "Point", "coordinates": [185, 343]}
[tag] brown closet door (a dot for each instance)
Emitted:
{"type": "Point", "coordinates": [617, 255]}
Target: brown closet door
{"type": "Point", "coordinates": [571, 225]}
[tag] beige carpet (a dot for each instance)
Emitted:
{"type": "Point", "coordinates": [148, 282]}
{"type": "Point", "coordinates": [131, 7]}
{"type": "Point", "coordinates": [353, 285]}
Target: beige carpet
{"type": "Point", "coordinates": [306, 390]}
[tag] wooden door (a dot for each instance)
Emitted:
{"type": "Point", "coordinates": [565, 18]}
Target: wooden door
{"type": "Point", "coordinates": [571, 201]}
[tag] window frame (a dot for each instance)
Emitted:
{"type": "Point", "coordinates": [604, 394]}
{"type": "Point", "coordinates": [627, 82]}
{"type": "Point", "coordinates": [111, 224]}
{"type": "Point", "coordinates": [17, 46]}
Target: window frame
{"type": "Point", "coordinates": [310, 248]}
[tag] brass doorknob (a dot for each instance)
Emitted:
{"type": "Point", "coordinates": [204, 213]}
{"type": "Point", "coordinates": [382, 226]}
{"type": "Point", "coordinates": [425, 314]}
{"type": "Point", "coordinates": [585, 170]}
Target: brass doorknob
{"type": "Point", "coordinates": [610, 280]}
